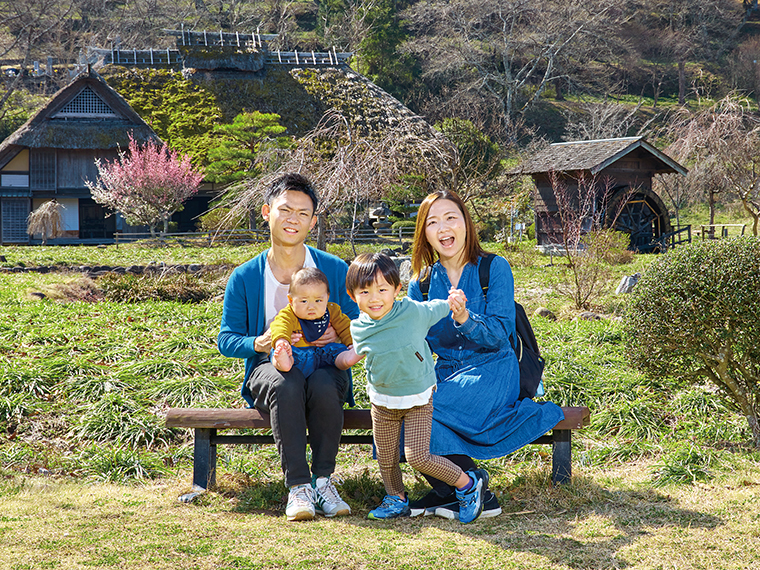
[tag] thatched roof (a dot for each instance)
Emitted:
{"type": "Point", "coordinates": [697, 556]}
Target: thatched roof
{"type": "Point", "coordinates": [86, 114]}
{"type": "Point", "coordinates": [593, 156]}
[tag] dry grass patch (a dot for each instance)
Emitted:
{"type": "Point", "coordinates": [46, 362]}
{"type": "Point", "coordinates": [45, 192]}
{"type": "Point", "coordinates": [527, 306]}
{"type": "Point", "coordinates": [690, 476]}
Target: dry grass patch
{"type": "Point", "coordinates": [607, 519]}
{"type": "Point", "coordinates": [67, 290]}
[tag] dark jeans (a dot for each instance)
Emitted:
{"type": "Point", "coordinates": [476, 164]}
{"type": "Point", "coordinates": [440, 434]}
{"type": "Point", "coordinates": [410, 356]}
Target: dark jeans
{"type": "Point", "coordinates": [296, 403]}
{"type": "Point", "coordinates": [442, 489]}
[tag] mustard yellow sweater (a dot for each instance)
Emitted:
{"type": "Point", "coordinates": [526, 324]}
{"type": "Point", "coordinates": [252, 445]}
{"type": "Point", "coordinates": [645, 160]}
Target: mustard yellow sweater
{"type": "Point", "coordinates": [286, 323]}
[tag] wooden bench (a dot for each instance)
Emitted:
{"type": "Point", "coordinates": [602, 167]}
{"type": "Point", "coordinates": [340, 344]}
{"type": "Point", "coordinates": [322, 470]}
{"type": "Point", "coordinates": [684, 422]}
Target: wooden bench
{"type": "Point", "coordinates": [207, 422]}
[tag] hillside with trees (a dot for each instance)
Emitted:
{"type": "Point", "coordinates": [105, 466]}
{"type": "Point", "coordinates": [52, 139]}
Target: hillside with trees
{"type": "Point", "coordinates": [495, 62]}
{"type": "Point", "coordinates": [520, 73]}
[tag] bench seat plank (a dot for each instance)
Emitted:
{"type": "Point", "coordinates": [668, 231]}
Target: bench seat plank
{"type": "Point", "coordinates": [207, 421]}
{"type": "Point", "coordinates": [241, 418]}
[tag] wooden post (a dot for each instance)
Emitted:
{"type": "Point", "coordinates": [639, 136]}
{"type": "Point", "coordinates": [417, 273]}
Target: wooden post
{"type": "Point", "coordinates": [204, 458]}
{"type": "Point", "coordinates": [561, 457]}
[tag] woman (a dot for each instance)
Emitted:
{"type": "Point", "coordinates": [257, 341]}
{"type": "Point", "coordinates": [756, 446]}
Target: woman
{"type": "Point", "coordinates": [476, 411]}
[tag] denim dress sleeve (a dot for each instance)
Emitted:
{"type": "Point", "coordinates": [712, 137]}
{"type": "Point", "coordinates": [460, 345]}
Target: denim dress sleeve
{"type": "Point", "coordinates": [492, 319]}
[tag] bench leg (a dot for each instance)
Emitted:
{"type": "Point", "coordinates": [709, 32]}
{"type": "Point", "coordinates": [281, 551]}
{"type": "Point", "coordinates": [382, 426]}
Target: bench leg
{"type": "Point", "coordinates": [561, 456]}
{"type": "Point", "coordinates": [204, 464]}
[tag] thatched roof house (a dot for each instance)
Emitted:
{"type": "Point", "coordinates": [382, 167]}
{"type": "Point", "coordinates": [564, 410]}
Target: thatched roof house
{"type": "Point", "coordinates": [54, 152]}
{"type": "Point", "coordinates": [618, 171]}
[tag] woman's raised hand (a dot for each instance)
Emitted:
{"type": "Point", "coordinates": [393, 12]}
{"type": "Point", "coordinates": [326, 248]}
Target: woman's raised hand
{"type": "Point", "coordinates": [458, 305]}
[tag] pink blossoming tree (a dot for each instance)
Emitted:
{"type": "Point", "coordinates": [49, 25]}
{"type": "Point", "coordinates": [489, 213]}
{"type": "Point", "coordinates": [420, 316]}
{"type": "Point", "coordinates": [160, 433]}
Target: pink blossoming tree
{"type": "Point", "coordinates": [146, 184]}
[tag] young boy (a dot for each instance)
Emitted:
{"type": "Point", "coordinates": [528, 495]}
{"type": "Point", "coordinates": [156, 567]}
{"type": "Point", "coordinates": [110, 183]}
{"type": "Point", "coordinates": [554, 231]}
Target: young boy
{"type": "Point", "coordinates": [400, 383]}
{"type": "Point", "coordinates": [307, 316]}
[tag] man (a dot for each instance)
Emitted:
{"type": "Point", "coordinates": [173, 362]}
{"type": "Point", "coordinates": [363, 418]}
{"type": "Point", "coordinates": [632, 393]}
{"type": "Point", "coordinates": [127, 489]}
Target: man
{"type": "Point", "coordinates": [256, 291]}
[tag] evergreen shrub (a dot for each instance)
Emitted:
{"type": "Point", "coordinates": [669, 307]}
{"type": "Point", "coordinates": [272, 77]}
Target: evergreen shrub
{"type": "Point", "coordinates": [694, 317]}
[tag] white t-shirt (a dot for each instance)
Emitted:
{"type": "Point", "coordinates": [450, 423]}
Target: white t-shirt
{"type": "Point", "coordinates": [399, 402]}
{"type": "Point", "coordinates": [276, 292]}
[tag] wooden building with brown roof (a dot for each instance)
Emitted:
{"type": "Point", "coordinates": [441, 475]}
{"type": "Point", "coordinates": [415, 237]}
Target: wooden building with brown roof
{"type": "Point", "coordinates": [618, 171]}
{"type": "Point", "coordinates": [54, 152]}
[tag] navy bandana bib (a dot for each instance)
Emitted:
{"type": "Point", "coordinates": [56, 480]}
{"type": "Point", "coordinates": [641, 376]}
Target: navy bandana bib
{"type": "Point", "coordinates": [312, 330]}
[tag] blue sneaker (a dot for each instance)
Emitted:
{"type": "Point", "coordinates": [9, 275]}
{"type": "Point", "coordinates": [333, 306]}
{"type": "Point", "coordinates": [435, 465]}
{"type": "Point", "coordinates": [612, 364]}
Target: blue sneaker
{"type": "Point", "coordinates": [471, 500]}
{"type": "Point", "coordinates": [392, 507]}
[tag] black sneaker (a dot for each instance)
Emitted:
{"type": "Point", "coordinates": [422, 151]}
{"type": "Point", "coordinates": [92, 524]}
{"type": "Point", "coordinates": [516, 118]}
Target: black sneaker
{"type": "Point", "coordinates": [428, 504]}
{"type": "Point", "coordinates": [491, 508]}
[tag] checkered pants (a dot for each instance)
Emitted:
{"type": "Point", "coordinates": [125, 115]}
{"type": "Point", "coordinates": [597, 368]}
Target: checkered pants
{"type": "Point", "coordinates": [417, 422]}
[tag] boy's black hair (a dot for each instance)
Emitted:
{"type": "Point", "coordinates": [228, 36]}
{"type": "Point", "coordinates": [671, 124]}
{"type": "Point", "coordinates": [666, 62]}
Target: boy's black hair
{"type": "Point", "coordinates": [364, 269]}
{"type": "Point", "coordinates": [291, 181]}
{"type": "Point", "coordinates": [308, 276]}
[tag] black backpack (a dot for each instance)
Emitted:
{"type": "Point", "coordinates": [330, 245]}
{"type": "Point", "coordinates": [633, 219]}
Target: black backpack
{"type": "Point", "coordinates": [525, 345]}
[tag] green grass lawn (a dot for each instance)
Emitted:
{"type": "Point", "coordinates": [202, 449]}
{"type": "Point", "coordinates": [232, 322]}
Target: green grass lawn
{"type": "Point", "coordinates": [89, 476]}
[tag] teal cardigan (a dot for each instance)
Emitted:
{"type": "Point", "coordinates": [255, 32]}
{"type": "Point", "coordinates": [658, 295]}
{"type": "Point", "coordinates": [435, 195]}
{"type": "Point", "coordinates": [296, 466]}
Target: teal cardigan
{"type": "Point", "coordinates": [244, 315]}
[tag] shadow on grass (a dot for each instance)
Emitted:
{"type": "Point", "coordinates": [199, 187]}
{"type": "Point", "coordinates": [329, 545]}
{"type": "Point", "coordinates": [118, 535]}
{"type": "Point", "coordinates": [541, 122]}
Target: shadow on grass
{"type": "Point", "coordinates": [581, 525]}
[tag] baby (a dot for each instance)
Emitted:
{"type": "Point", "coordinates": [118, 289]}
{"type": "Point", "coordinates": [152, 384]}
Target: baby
{"type": "Point", "coordinates": [306, 318]}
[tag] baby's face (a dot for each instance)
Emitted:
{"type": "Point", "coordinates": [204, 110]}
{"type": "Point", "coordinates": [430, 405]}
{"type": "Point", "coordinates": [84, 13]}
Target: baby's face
{"type": "Point", "coordinates": [310, 301]}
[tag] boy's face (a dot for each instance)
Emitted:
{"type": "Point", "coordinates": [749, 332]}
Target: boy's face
{"type": "Point", "coordinates": [376, 299]}
{"type": "Point", "coordinates": [310, 301]}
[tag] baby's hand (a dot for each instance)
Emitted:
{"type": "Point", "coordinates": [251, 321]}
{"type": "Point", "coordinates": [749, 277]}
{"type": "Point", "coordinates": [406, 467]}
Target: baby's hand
{"type": "Point", "coordinates": [458, 305]}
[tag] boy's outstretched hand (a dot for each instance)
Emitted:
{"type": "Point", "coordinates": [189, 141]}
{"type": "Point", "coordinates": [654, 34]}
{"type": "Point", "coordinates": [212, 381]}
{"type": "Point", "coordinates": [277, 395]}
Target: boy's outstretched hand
{"type": "Point", "coordinates": [458, 305]}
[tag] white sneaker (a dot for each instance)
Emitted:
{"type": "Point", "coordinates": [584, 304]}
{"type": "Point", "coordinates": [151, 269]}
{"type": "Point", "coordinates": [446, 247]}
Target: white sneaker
{"type": "Point", "coordinates": [300, 503]}
{"type": "Point", "coordinates": [327, 501]}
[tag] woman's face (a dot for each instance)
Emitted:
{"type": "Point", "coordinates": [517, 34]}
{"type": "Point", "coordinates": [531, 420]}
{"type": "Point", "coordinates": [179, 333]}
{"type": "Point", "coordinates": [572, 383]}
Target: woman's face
{"type": "Point", "coordinates": [445, 230]}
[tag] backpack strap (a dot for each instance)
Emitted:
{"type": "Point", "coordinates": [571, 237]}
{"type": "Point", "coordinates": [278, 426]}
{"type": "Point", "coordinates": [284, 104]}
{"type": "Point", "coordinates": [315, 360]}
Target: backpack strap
{"type": "Point", "coordinates": [425, 283]}
{"type": "Point", "coordinates": [484, 272]}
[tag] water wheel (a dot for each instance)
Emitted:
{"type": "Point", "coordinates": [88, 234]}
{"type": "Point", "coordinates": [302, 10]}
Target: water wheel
{"type": "Point", "coordinates": [642, 215]}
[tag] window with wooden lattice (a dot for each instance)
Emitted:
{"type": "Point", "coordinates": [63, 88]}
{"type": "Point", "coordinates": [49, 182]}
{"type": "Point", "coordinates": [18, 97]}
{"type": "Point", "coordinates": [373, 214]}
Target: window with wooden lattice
{"type": "Point", "coordinates": [86, 104]}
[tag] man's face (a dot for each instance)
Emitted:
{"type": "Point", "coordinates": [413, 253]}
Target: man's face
{"type": "Point", "coordinates": [290, 217]}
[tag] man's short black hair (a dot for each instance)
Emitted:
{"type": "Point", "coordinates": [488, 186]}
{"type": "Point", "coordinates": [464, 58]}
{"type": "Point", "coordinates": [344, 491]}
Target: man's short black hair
{"type": "Point", "coordinates": [291, 181]}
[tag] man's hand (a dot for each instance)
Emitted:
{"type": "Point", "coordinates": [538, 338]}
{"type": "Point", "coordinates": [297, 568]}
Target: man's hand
{"type": "Point", "coordinates": [263, 343]}
{"type": "Point", "coordinates": [329, 336]}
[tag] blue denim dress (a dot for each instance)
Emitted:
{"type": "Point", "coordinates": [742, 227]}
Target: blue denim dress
{"type": "Point", "coordinates": [476, 411]}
